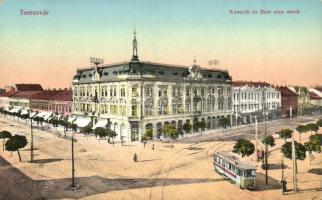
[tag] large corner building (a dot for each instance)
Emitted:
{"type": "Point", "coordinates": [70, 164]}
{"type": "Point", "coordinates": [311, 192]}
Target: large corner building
{"type": "Point", "coordinates": [136, 95]}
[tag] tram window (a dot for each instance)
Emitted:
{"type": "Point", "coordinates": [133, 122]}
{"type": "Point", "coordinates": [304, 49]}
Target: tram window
{"type": "Point", "coordinates": [239, 172]}
{"type": "Point", "coordinates": [249, 173]}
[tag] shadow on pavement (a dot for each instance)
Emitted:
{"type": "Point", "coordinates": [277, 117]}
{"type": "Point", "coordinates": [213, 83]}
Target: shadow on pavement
{"type": "Point", "coordinates": [276, 166]}
{"type": "Point", "coordinates": [48, 160]}
{"type": "Point", "coordinates": [317, 171]}
{"type": "Point", "coordinates": [273, 184]}
{"type": "Point", "coordinates": [17, 185]}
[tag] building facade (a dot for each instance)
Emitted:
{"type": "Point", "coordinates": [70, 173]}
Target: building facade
{"type": "Point", "coordinates": [137, 95]}
{"type": "Point", "coordinates": [303, 99]}
{"type": "Point", "coordinates": [289, 102]}
{"type": "Point", "coordinates": [252, 99]}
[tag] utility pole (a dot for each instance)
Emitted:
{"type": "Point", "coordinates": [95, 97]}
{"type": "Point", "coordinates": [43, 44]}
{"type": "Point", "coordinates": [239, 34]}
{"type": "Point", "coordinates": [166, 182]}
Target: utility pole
{"type": "Point", "coordinates": [256, 139]}
{"type": "Point", "coordinates": [282, 181]}
{"type": "Point", "coordinates": [31, 142]}
{"type": "Point", "coordinates": [266, 146]}
{"type": "Point", "coordinates": [266, 153]}
{"type": "Point", "coordinates": [294, 166]}
{"type": "Point", "coordinates": [73, 167]}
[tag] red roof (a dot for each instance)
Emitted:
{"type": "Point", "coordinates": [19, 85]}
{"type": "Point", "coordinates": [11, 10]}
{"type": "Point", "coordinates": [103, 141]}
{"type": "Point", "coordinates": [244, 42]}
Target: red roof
{"type": "Point", "coordinates": [65, 95]}
{"type": "Point", "coordinates": [250, 83]}
{"type": "Point", "coordinates": [285, 91]}
{"type": "Point", "coordinates": [319, 88]}
{"type": "Point", "coordinates": [46, 95]}
{"type": "Point", "coordinates": [8, 94]}
{"type": "Point", "coordinates": [28, 87]}
{"type": "Point", "coordinates": [314, 96]}
{"type": "Point", "coordinates": [25, 94]}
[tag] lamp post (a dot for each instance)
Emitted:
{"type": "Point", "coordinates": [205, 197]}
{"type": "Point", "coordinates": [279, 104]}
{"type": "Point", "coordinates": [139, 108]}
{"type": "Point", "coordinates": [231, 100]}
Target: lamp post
{"type": "Point", "coordinates": [73, 185]}
{"type": "Point", "coordinates": [31, 140]}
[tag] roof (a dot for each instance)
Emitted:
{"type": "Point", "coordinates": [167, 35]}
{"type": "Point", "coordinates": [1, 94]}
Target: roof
{"type": "Point", "coordinates": [149, 70]}
{"type": "Point", "coordinates": [251, 83]}
{"type": "Point", "coordinates": [319, 88]}
{"type": "Point", "coordinates": [64, 95]}
{"type": "Point", "coordinates": [25, 94]}
{"type": "Point", "coordinates": [8, 94]}
{"type": "Point", "coordinates": [46, 95]}
{"type": "Point", "coordinates": [28, 87]}
{"type": "Point", "coordinates": [234, 159]}
{"type": "Point", "coordinates": [285, 91]}
{"type": "Point", "coordinates": [315, 96]}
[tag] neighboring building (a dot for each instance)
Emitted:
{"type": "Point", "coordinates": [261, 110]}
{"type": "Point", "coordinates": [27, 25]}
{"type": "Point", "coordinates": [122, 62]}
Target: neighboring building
{"type": "Point", "coordinates": [4, 98]}
{"type": "Point", "coordinates": [2, 91]}
{"type": "Point", "coordinates": [9, 88]}
{"type": "Point", "coordinates": [251, 99]}
{"type": "Point", "coordinates": [63, 102]}
{"type": "Point", "coordinates": [303, 99]}
{"type": "Point", "coordinates": [22, 99]}
{"type": "Point", "coordinates": [28, 87]}
{"type": "Point", "coordinates": [289, 101]}
{"type": "Point", "coordinates": [57, 101]}
{"type": "Point", "coordinates": [136, 95]}
{"type": "Point", "coordinates": [315, 101]}
{"type": "Point", "coordinates": [43, 101]}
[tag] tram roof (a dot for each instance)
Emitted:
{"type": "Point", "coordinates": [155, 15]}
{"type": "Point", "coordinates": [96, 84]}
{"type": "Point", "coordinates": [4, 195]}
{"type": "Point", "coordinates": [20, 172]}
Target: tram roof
{"type": "Point", "coordinates": [235, 160]}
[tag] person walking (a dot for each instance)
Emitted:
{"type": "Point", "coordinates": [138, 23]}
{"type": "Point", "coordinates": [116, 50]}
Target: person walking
{"type": "Point", "coordinates": [135, 157]}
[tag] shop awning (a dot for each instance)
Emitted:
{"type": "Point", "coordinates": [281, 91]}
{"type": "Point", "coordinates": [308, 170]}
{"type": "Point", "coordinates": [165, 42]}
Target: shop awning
{"type": "Point", "coordinates": [71, 119]}
{"type": "Point", "coordinates": [24, 112]}
{"type": "Point", "coordinates": [15, 110]}
{"type": "Point", "coordinates": [33, 114]}
{"type": "Point", "coordinates": [82, 121]}
{"type": "Point", "coordinates": [48, 115]}
{"type": "Point", "coordinates": [100, 123]}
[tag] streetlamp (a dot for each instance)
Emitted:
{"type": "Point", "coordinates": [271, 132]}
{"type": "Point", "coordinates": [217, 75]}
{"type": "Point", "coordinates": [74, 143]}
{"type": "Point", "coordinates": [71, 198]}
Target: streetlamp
{"type": "Point", "coordinates": [73, 186]}
{"type": "Point", "coordinates": [31, 139]}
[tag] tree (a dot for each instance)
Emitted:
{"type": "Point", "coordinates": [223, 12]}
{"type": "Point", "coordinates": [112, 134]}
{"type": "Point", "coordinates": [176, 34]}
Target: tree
{"type": "Point", "coordinates": [41, 120]}
{"type": "Point", "coordinates": [299, 150]}
{"type": "Point", "coordinates": [148, 135]}
{"type": "Point", "coordinates": [87, 130]}
{"type": "Point", "coordinates": [100, 132]}
{"type": "Point", "coordinates": [312, 127]}
{"type": "Point", "coordinates": [244, 147]}
{"type": "Point", "coordinates": [301, 129]}
{"type": "Point", "coordinates": [171, 131]}
{"type": "Point", "coordinates": [36, 119]}
{"type": "Point", "coordinates": [72, 126]}
{"type": "Point", "coordinates": [225, 121]}
{"type": "Point", "coordinates": [269, 140]}
{"type": "Point", "coordinates": [25, 116]}
{"type": "Point", "coordinates": [319, 123]}
{"type": "Point", "coordinates": [4, 135]}
{"type": "Point", "coordinates": [285, 133]}
{"type": "Point", "coordinates": [64, 123]}
{"type": "Point", "coordinates": [15, 143]}
{"type": "Point", "coordinates": [201, 125]}
{"type": "Point", "coordinates": [187, 127]}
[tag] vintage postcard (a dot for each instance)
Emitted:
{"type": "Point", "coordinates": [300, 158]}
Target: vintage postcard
{"type": "Point", "coordinates": [161, 99]}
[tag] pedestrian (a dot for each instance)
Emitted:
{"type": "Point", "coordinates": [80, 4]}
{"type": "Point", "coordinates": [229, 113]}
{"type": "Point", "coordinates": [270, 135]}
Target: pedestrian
{"type": "Point", "coordinates": [152, 146]}
{"type": "Point", "coordinates": [135, 157]}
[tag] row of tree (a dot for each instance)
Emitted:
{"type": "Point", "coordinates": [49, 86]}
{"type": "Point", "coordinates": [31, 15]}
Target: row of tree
{"type": "Point", "coordinates": [246, 147]}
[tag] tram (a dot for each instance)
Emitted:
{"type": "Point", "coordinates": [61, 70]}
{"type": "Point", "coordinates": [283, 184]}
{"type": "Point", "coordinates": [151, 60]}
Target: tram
{"type": "Point", "coordinates": [239, 172]}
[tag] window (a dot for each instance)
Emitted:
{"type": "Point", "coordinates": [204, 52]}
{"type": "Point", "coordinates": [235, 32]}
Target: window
{"type": "Point", "coordinates": [134, 92]}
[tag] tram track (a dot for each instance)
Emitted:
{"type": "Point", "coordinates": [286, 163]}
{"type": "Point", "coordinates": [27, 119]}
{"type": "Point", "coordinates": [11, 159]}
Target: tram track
{"type": "Point", "coordinates": [220, 144]}
{"type": "Point", "coordinates": [169, 169]}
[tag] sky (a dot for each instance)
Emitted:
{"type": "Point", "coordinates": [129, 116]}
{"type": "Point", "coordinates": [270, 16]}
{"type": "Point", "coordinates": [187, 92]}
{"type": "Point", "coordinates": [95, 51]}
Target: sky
{"type": "Point", "coordinates": [280, 49]}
